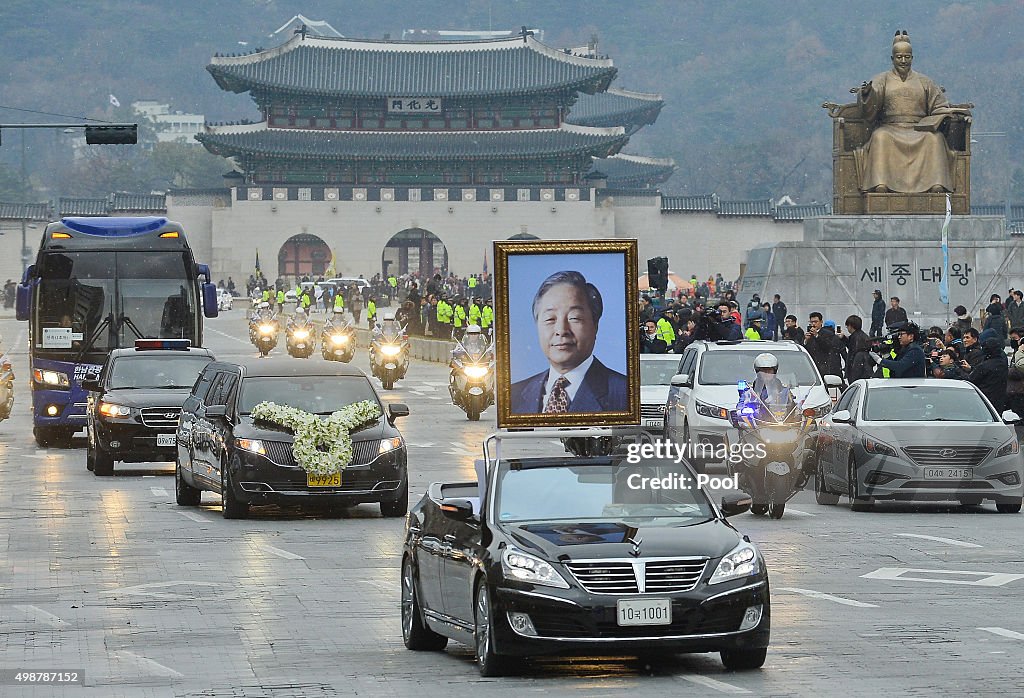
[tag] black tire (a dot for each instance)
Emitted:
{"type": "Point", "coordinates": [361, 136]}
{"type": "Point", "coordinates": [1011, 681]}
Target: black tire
{"type": "Point", "coordinates": [473, 415]}
{"type": "Point", "coordinates": [387, 384]}
{"type": "Point", "coordinates": [90, 458]}
{"type": "Point", "coordinates": [759, 508]}
{"type": "Point", "coordinates": [776, 510]}
{"type": "Point", "coordinates": [44, 436]}
{"type": "Point", "coordinates": [415, 634]}
{"type": "Point", "coordinates": [821, 494]}
{"type": "Point", "coordinates": [185, 494]}
{"type": "Point", "coordinates": [230, 506]}
{"type": "Point", "coordinates": [398, 506]}
{"type": "Point", "coordinates": [489, 663]}
{"type": "Point", "coordinates": [744, 660]}
{"type": "Point", "coordinates": [971, 500]}
{"type": "Point", "coordinates": [102, 462]}
{"type": "Point", "coordinates": [1008, 507]}
{"type": "Point", "coordinates": [857, 503]}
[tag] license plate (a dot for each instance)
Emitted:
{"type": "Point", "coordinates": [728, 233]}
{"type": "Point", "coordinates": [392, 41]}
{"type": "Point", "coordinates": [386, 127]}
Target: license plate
{"type": "Point", "coordinates": [165, 440]}
{"type": "Point", "coordinates": [644, 611]}
{"type": "Point", "coordinates": [333, 480]}
{"type": "Point", "coordinates": [652, 422]}
{"type": "Point", "coordinates": [390, 366]}
{"type": "Point", "coordinates": [778, 467]}
{"type": "Point", "coordinates": [949, 473]}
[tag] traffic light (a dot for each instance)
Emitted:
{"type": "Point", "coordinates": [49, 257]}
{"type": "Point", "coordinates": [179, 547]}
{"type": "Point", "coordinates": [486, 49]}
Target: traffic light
{"type": "Point", "coordinates": [657, 274]}
{"type": "Point", "coordinates": [112, 135]}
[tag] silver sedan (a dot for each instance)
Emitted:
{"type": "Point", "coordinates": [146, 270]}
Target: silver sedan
{"type": "Point", "coordinates": [918, 440]}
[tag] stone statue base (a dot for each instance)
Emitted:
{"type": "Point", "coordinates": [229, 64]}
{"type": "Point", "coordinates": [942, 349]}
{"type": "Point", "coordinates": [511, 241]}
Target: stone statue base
{"type": "Point", "coordinates": [887, 204]}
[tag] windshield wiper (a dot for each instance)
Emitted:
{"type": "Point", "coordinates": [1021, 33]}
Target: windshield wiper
{"type": "Point", "coordinates": [125, 320]}
{"type": "Point", "coordinates": [93, 337]}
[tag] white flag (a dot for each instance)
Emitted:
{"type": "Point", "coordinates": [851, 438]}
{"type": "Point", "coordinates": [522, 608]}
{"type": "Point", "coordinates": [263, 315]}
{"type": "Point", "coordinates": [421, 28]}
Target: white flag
{"type": "Point", "coordinates": [113, 100]}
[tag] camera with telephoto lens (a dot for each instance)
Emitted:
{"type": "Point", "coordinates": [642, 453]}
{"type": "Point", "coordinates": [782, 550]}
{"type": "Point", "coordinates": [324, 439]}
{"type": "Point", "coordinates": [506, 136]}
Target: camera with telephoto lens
{"type": "Point", "coordinates": [883, 345]}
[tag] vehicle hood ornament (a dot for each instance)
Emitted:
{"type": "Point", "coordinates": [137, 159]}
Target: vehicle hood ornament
{"type": "Point", "coordinates": [948, 453]}
{"type": "Point", "coordinates": [634, 543]}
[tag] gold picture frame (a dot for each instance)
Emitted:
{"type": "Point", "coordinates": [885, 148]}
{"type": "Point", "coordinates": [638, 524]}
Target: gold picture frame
{"type": "Point", "coordinates": [524, 359]}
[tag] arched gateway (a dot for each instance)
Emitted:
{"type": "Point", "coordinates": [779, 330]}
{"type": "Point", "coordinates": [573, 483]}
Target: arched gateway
{"type": "Point", "coordinates": [303, 254]}
{"type": "Point", "coordinates": [415, 250]}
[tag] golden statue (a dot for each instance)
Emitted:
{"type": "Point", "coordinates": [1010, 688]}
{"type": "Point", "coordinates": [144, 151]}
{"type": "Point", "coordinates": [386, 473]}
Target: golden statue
{"type": "Point", "coordinates": [900, 141]}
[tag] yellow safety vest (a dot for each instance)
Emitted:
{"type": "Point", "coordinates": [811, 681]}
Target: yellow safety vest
{"type": "Point", "coordinates": [339, 302]}
{"type": "Point", "coordinates": [460, 315]}
{"type": "Point", "coordinates": [371, 310]}
{"type": "Point", "coordinates": [280, 297]}
{"type": "Point", "coordinates": [266, 295]}
{"type": "Point", "coordinates": [752, 333]}
{"type": "Point", "coordinates": [305, 300]}
{"type": "Point", "coordinates": [474, 314]}
{"type": "Point", "coordinates": [665, 330]}
{"type": "Point", "coordinates": [471, 282]}
{"type": "Point", "coordinates": [486, 316]}
{"type": "Point", "coordinates": [392, 281]}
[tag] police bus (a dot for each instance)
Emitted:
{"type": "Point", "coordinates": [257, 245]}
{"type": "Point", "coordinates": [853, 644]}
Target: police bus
{"type": "Point", "coordinates": [99, 284]}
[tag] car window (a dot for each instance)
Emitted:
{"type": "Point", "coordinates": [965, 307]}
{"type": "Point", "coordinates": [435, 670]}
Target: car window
{"type": "Point", "coordinates": [728, 366]}
{"type": "Point", "coordinates": [689, 359]}
{"type": "Point", "coordinates": [318, 394]}
{"type": "Point", "coordinates": [222, 391]}
{"type": "Point", "coordinates": [925, 403]}
{"type": "Point", "coordinates": [657, 372]}
{"type": "Point", "coordinates": [149, 371]}
{"type": "Point", "coordinates": [203, 383]}
{"type": "Point", "coordinates": [847, 400]}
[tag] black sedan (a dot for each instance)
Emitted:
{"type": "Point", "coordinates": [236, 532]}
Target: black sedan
{"type": "Point", "coordinates": [221, 447]}
{"type": "Point", "coordinates": [133, 407]}
{"type": "Point", "coordinates": [582, 555]}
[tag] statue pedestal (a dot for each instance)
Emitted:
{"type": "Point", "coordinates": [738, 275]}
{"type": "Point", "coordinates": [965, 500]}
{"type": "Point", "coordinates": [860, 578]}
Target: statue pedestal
{"type": "Point", "coordinates": [916, 204]}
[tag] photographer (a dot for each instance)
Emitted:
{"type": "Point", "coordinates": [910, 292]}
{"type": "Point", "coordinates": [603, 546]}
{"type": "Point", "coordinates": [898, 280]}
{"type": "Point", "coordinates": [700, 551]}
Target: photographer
{"type": "Point", "coordinates": [823, 345]}
{"type": "Point", "coordinates": [792, 331]}
{"type": "Point", "coordinates": [953, 340]}
{"type": "Point", "coordinates": [972, 353]}
{"type": "Point", "coordinates": [909, 361]}
{"type": "Point", "coordinates": [651, 342]}
{"type": "Point", "coordinates": [933, 346]}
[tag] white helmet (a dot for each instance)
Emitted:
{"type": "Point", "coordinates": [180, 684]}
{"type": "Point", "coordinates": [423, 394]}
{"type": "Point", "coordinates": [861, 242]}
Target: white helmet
{"type": "Point", "coordinates": [765, 361]}
{"type": "Point", "coordinates": [473, 329]}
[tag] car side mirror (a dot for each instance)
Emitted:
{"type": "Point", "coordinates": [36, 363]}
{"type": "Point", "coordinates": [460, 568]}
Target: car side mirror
{"type": "Point", "coordinates": [91, 384]}
{"type": "Point", "coordinates": [1010, 417]}
{"type": "Point", "coordinates": [833, 381]}
{"type": "Point", "coordinates": [217, 411]}
{"type": "Point", "coordinates": [842, 417]}
{"type": "Point", "coordinates": [682, 380]}
{"type": "Point", "coordinates": [396, 410]}
{"type": "Point", "coordinates": [735, 503]}
{"type": "Point", "coordinates": [459, 509]}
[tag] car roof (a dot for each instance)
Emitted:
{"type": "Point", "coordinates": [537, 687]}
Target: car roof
{"type": "Point", "coordinates": [661, 357]}
{"type": "Point", "coordinates": [132, 351]}
{"type": "Point", "coordinates": [916, 382]}
{"type": "Point", "coordinates": [760, 344]}
{"type": "Point", "coordinates": [293, 367]}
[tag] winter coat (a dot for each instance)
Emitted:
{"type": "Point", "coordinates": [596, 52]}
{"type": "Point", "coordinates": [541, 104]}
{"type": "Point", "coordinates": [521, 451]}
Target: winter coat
{"type": "Point", "coordinates": [858, 360]}
{"type": "Point", "coordinates": [991, 374]}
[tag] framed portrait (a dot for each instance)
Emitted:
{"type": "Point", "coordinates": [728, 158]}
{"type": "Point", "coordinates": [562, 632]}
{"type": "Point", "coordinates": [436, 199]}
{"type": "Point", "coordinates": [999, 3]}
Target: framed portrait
{"type": "Point", "coordinates": [566, 339]}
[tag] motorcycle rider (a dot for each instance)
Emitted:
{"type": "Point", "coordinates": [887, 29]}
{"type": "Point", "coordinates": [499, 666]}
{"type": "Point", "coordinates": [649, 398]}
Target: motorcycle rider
{"type": "Point", "coordinates": [388, 331]}
{"type": "Point", "coordinates": [767, 385]}
{"type": "Point", "coordinates": [474, 344]}
{"type": "Point", "coordinates": [297, 319]}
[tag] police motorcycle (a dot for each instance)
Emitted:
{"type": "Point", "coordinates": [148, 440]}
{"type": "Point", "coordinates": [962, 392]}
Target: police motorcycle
{"type": "Point", "coordinates": [338, 339]}
{"type": "Point", "coordinates": [300, 339]}
{"type": "Point", "coordinates": [773, 427]}
{"type": "Point", "coordinates": [6, 387]}
{"type": "Point", "coordinates": [264, 331]}
{"type": "Point", "coordinates": [471, 381]}
{"type": "Point", "coordinates": [389, 351]}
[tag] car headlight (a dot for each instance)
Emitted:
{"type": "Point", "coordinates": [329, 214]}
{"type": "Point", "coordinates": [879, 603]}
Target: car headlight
{"type": "Point", "coordinates": [878, 447]}
{"type": "Point", "coordinates": [114, 411]}
{"type": "Point", "coordinates": [742, 561]}
{"type": "Point", "coordinates": [339, 339]}
{"type": "Point", "coordinates": [300, 334]}
{"type": "Point", "coordinates": [1009, 448]}
{"type": "Point", "coordinates": [712, 411]}
{"type": "Point", "coordinates": [54, 378]}
{"type": "Point", "coordinates": [251, 445]}
{"type": "Point", "coordinates": [822, 410]}
{"type": "Point", "coordinates": [476, 371]}
{"type": "Point", "coordinates": [523, 567]}
{"type": "Point", "coordinates": [390, 349]}
{"type": "Point", "coordinates": [389, 445]}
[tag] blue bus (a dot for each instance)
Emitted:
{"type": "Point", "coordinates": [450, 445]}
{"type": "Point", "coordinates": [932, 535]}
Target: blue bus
{"type": "Point", "coordinates": [99, 284]}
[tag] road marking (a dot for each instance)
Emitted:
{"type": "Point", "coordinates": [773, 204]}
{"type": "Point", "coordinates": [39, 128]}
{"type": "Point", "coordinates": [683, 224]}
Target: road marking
{"type": "Point", "coordinates": [42, 616]}
{"type": "Point", "coordinates": [828, 597]}
{"type": "Point", "coordinates": [195, 517]}
{"type": "Point", "coordinates": [715, 684]}
{"type": "Point", "coordinates": [461, 451]}
{"type": "Point", "coordinates": [279, 553]}
{"type": "Point", "coordinates": [146, 665]}
{"type": "Point", "coordinates": [144, 590]}
{"type": "Point", "coordinates": [937, 539]}
{"type": "Point", "coordinates": [798, 512]}
{"type": "Point", "coordinates": [159, 492]}
{"type": "Point", "coordinates": [39, 456]}
{"type": "Point", "coordinates": [984, 579]}
{"type": "Point", "coordinates": [1004, 633]}
{"type": "Point", "coordinates": [225, 334]}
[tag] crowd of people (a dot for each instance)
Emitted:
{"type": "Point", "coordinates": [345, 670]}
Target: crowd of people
{"type": "Point", "coordinates": [892, 347]}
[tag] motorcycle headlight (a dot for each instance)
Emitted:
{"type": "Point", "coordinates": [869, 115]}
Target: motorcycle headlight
{"type": "Point", "coordinates": [266, 329]}
{"type": "Point", "coordinates": [742, 561]}
{"type": "Point", "coordinates": [252, 445]}
{"type": "Point", "coordinates": [523, 567]}
{"type": "Point", "coordinates": [339, 339]}
{"type": "Point", "coordinates": [878, 447]}
{"type": "Point", "coordinates": [54, 378]}
{"type": "Point", "coordinates": [300, 334]}
{"type": "Point", "coordinates": [390, 349]}
{"type": "Point", "coordinates": [1010, 447]}
{"type": "Point", "coordinates": [475, 371]}
{"type": "Point", "coordinates": [712, 411]}
{"type": "Point", "coordinates": [114, 411]}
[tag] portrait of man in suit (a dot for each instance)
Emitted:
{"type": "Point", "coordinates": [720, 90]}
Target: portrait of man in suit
{"type": "Point", "coordinates": [567, 312]}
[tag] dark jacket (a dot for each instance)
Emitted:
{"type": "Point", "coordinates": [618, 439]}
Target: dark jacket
{"type": "Point", "coordinates": [964, 322]}
{"type": "Point", "coordinates": [974, 354]}
{"type": "Point", "coordinates": [877, 313]}
{"type": "Point", "coordinates": [909, 362]}
{"type": "Point", "coordinates": [652, 345]}
{"type": "Point", "coordinates": [1015, 314]}
{"type": "Point", "coordinates": [996, 321]}
{"type": "Point", "coordinates": [826, 351]}
{"type": "Point", "coordinates": [795, 334]}
{"type": "Point", "coordinates": [779, 311]}
{"type": "Point", "coordinates": [894, 316]}
{"type": "Point", "coordinates": [603, 390]}
{"type": "Point", "coordinates": [858, 361]}
{"type": "Point", "coordinates": [991, 374]}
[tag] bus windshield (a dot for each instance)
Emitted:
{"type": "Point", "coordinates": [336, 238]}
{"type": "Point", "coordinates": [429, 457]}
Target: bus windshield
{"type": "Point", "coordinates": [101, 300]}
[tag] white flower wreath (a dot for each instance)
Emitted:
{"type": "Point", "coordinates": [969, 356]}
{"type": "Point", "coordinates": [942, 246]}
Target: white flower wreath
{"type": "Point", "coordinates": [311, 431]}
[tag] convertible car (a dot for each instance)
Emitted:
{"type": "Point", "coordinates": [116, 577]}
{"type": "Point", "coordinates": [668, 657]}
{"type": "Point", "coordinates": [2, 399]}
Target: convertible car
{"type": "Point", "coordinates": [561, 555]}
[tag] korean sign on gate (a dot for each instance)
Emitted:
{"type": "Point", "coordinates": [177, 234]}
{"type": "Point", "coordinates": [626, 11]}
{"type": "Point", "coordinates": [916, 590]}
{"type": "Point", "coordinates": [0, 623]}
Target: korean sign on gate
{"type": "Point", "coordinates": [414, 105]}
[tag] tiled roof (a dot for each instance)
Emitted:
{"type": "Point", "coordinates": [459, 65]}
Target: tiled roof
{"type": "Point", "coordinates": [83, 207]}
{"type": "Point", "coordinates": [615, 107]}
{"type": "Point", "coordinates": [124, 202]}
{"type": "Point", "coordinates": [1016, 210]}
{"type": "Point", "coordinates": [701, 203]}
{"type": "Point", "coordinates": [28, 212]}
{"type": "Point", "coordinates": [364, 68]}
{"type": "Point", "coordinates": [625, 171]}
{"type": "Point", "coordinates": [746, 208]}
{"type": "Point", "coordinates": [257, 139]}
{"type": "Point", "coordinates": [1015, 227]}
{"type": "Point", "coordinates": [799, 213]}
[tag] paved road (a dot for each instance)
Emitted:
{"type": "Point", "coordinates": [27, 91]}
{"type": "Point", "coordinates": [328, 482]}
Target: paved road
{"type": "Point", "coordinates": [107, 576]}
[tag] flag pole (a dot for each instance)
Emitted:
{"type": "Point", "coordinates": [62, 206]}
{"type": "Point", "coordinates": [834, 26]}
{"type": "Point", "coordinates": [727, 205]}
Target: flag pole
{"type": "Point", "coordinates": [944, 279]}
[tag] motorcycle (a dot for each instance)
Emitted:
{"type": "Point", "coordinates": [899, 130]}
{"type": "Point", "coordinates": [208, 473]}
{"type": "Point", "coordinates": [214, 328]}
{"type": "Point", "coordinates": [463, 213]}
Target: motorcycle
{"type": "Point", "coordinates": [266, 334]}
{"type": "Point", "coordinates": [389, 355]}
{"type": "Point", "coordinates": [338, 342]}
{"type": "Point", "coordinates": [471, 382]}
{"type": "Point", "coordinates": [300, 340]}
{"type": "Point", "coordinates": [6, 387]}
{"type": "Point", "coordinates": [776, 434]}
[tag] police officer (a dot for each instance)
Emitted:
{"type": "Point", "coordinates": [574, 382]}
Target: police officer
{"type": "Point", "coordinates": [460, 314]}
{"type": "Point", "coordinates": [371, 311]}
{"type": "Point", "coordinates": [474, 312]}
{"type": "Point", "coordinates": [280, 300]}
{"type": "Point", "coordinates": [392, 286]}
{"type": "Point", "coordinates": [339, 302]}
{"type": "Point", "coordinates": [487, 317]}
{"type": "Point", "coordinates": [666, 332]}
{"type": "Point", "coordinates": [754, 331]}
{"type": "Point", "coordinates": [471, 283]}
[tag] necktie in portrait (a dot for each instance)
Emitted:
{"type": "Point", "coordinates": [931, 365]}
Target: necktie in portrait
{"type": "Point", "coordinates": [558, 400]}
